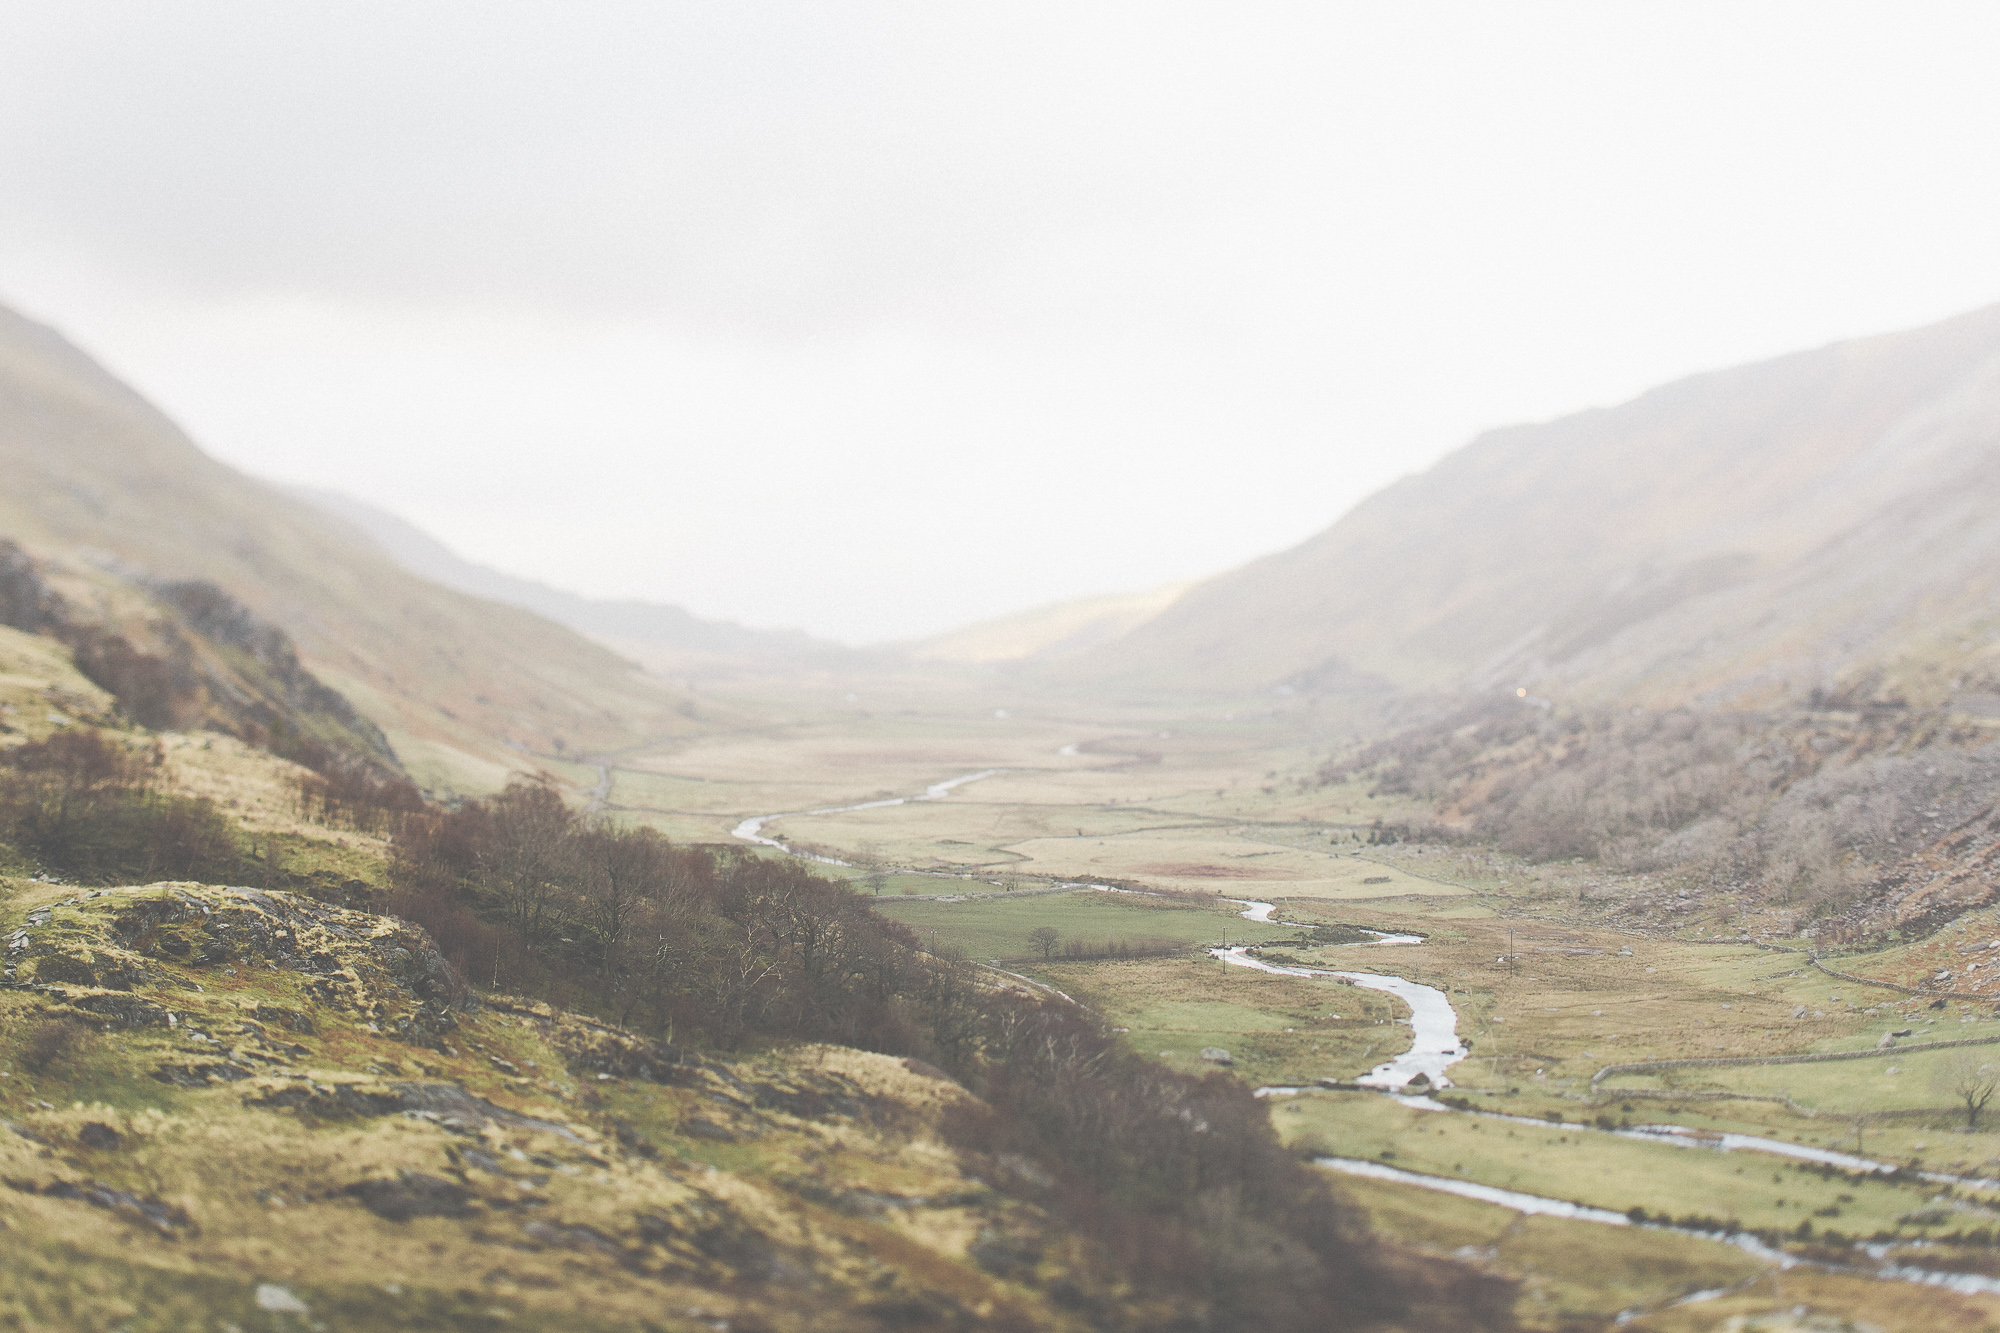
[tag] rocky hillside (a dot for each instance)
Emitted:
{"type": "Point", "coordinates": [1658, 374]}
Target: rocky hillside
{"type": "Point", "coordinates": [1825, 521]}
{"type": "Point", "coordinates": [95, 481]}
{"type": "Point", "coordinates": [227, 1105]}
{"type": "Point", "coordinates": [186, 656]}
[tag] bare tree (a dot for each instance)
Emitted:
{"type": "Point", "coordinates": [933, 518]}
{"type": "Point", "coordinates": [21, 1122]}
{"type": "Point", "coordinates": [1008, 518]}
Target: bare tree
{"type": "Point", "coordinates": [617, 872]}
{"type": "Point", "coordinates": [1045, 938]}
{"type": "Point", "coordinates": [525, 855]}
{"type": "Point", "coordinates": [1971, 1081]}
{"type": "Point", "coordinates": [868, 858]}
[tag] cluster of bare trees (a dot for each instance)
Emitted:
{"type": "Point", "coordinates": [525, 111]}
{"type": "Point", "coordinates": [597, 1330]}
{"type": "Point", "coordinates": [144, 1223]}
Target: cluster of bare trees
{"type": "Point", "coordinates": [89, 807]}
{"type": "Point", "coordinates": [695, 944]}
{"type": "Point", "coordinates": [1179, 1182]}
{"type": "Point", "coordinates": [1795, 805]}
{"type": "Point", "coordinates": [341, 789]}
{"type": "Point", "coordinates": [1049, 943]}
{"type": "Point", "coordinates": [1182, 1180]}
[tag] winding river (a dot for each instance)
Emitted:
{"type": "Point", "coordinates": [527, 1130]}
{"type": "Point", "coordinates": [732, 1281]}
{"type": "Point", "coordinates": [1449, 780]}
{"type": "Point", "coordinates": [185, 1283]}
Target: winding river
{"type": "Point", "coordinates": [1434, 1048]}
{"type": "Point", "coordinates": [1536, 1205]}
{"type": "Point", "coordinates": [752, 829]}
{"type": "Point", "coordinates": [1434, 1045]}
{"type": "Point", "coordinates": [1533, 1205]}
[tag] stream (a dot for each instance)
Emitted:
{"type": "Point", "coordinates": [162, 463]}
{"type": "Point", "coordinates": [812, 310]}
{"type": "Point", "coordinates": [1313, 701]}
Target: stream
{"type": "Point", "coordinates": [1531, 1205]}
{"type": "Point", "coordinates": [1261, 913]}
{"type": "Point", "coordinates": [1536, 1205]}
{"type": "Point", "coordinates": [1434, 1044]}
{"type": "Point", "coordinates": [752, 829]}
{"type": "Point", "coordinates": [1435, 1047]}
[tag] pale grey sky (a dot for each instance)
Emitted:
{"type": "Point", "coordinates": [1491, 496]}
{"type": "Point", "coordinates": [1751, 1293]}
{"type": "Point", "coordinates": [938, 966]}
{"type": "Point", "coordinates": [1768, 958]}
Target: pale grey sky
{"type": "Point", "coordinates": [880, 318]}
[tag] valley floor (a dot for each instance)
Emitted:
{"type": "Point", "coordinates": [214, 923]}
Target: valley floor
{"type": "Point", "coordinates": [1106, 855]}
{"type": "Point", "coordinates": [1868, 1192]}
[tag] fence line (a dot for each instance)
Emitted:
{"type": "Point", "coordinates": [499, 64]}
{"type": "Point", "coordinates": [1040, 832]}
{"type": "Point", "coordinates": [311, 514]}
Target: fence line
{"type": "Point", "coordinates": [1738, 1061]}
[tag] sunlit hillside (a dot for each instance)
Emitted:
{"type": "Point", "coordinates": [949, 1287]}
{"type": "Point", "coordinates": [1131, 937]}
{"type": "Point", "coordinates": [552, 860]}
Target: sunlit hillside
{"type": "Point", "coordinates": [1049, 633]}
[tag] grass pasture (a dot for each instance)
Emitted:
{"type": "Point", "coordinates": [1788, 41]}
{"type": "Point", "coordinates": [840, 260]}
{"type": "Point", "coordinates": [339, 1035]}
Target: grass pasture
{"type": "Point", "coordinates": [1201, 798]}
{"type": "Point", "coordinates": [1582, 1275]}
{"type": "Point", "coordinates": [1278, 1030]}
{"type": "Point", "coordinates": [1585, 1165]}
{"type": "Point", "coordinates": [997, 927]}
{"type": "Point", "coordinates": [1572, 1274]}
{"type": "Point", "coordinates": [1898, 1107]}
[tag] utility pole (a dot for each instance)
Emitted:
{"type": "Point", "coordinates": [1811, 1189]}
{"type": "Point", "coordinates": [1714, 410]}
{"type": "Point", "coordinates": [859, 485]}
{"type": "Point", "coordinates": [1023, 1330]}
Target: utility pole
{"type": "Point", "coordinates": [1513, 965]}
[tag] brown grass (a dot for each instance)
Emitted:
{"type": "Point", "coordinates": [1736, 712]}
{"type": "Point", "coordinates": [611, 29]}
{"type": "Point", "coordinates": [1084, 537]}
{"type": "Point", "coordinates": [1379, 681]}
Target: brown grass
{"type": "Point", "coordinates": [1200, 870]}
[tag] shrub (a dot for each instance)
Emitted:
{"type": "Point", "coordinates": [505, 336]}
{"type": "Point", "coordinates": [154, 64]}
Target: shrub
{"type": "Point", "coordinates": [83, 804]}
{"type": "Point", "coordinates": [50, 1041]}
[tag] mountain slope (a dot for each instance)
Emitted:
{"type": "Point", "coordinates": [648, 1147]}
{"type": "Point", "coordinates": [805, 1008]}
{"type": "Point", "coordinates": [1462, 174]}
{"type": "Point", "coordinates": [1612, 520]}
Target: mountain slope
{"type": "Point", "coordinates": [621, 622]}
{"type": "Point", "coordinates": [1740, 535]}
{"type": "Point", "coordinates": [1048, 633]}
{"type": "Point", "coordinates": [94, 477]}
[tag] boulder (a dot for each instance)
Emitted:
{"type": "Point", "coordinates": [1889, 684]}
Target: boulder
{"type": "Point", "coordinates": [413, 1194]}
{"type": "Point", "coordinates": [100, 1137]}
{"type": "Point", "coordinates": [1215, 1055]}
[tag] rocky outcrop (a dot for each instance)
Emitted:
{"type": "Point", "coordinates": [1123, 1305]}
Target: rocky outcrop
{"type": "Point", "coordinates": [165, 1218]}
{"type": "Point", "coordinates": [97, 952]}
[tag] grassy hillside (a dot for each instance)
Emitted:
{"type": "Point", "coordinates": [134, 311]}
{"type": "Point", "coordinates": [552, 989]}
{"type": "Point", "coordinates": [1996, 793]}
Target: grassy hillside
{"type": "Point", "coordinates": [93, 477]}
{"type": "Point", "coordinates": [1737, 535]}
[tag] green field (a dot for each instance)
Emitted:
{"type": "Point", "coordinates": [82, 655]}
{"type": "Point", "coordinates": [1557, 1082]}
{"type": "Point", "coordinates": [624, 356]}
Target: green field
{"type": "Point", "coordinates": [1277, 1030]}
{"type": "Point", "coordinates": [1583, 1165]}
{"type": "Point", "coordinates": [1572, 1274]}
{"type": "Point", "coordinates": [1899, 1107]}
{"type": "Point", "coordinates": [997, 927]}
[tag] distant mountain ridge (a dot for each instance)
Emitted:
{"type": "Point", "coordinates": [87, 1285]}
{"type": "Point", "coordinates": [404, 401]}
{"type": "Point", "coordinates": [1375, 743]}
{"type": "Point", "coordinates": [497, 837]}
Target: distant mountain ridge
{"type": "Point", "coordinates": [623, 622]}
{"type": "Point", "coordinates": [95, 480]}
{"type": "Point", "coordinates": [1826, 521]}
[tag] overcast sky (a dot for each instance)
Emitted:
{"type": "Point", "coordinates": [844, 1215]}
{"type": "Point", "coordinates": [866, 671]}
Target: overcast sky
{"type": "Point", "coordinates": [876, 319]}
